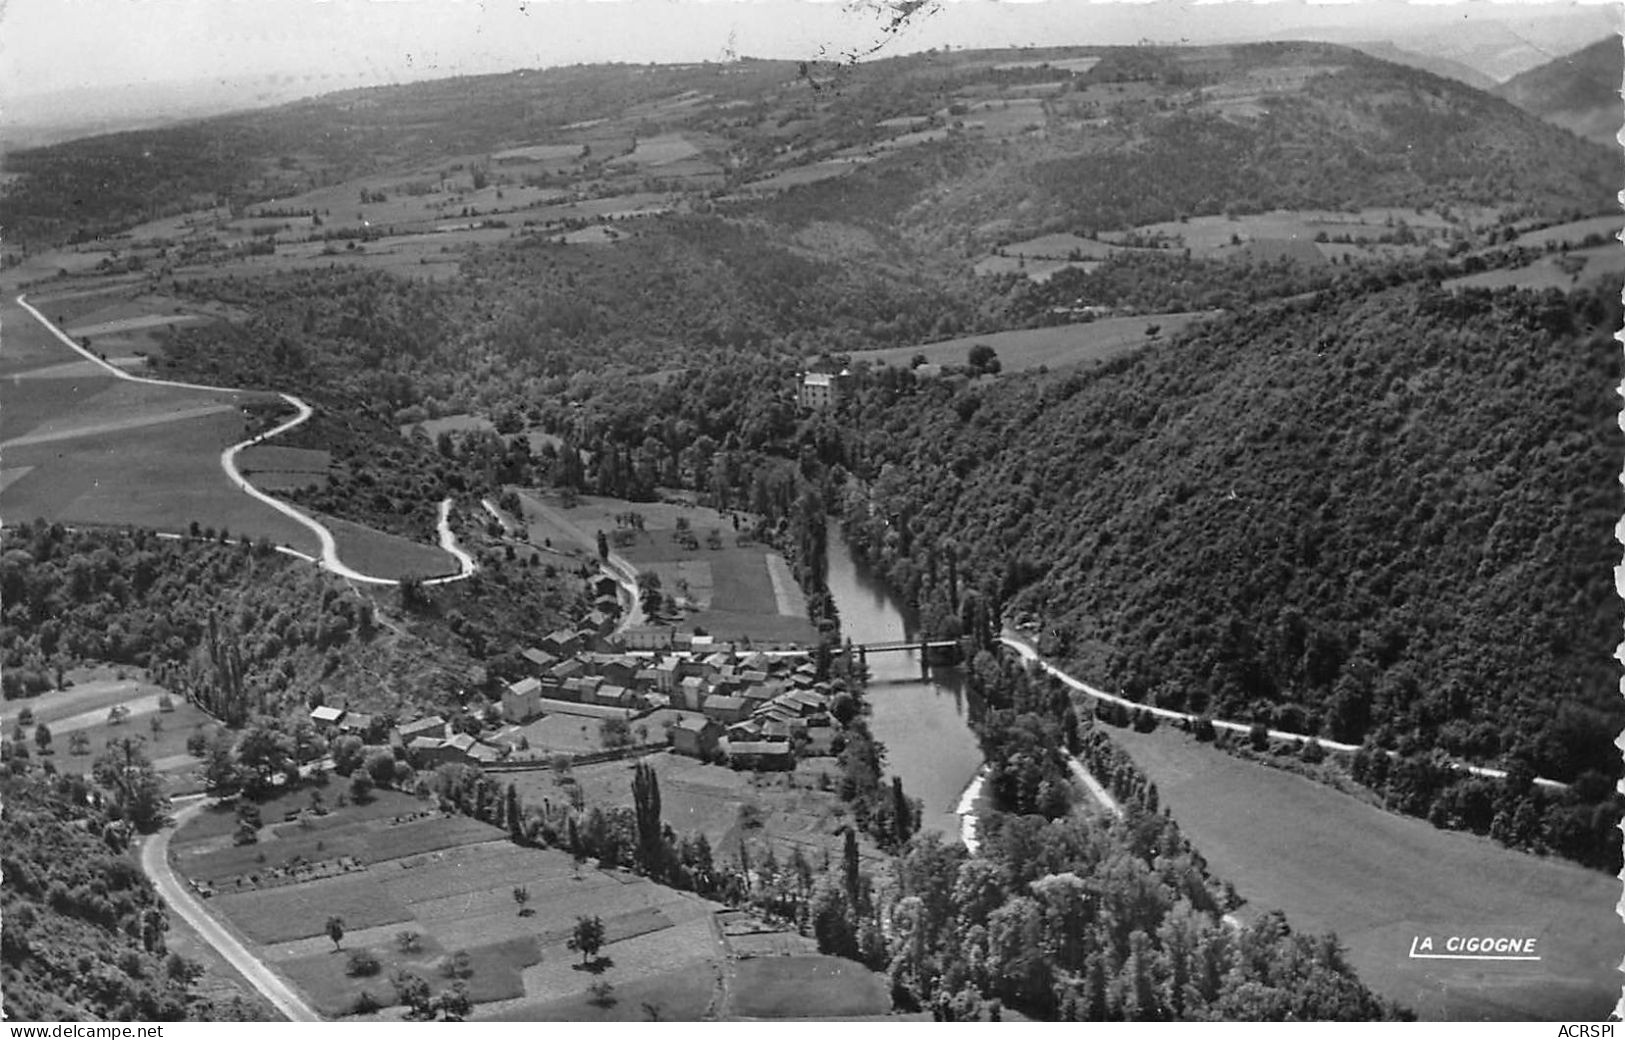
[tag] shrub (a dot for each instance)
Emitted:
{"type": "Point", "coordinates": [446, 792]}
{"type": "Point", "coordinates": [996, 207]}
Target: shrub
{"type": "Point", "coordinates": [1312, 752]}
{"type": "Point", "coordinates": [1202, 728]}
{"type": "Point", "coordinates": [365, 1003]}
{"type": "Point", "coordinates": [381, 768]}
{"type": "Point", "coordinates": [408, 942]}
{"type": "Point", "coordinates": [361, 963]}
{"type": "Point", "coordinates": [1259, 736]}
{"type": "Point", "coordinates": [457, 965]}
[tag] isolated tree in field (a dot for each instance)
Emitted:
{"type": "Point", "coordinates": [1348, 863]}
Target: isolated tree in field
{"type": "Point", "coordinates": [117, 714]}
{"type": "Point", "coordinates": [603, 546]}
{"type": "Point", "coordinates": [521, 895]}
{"type": "Point", "coordinates": [42, 737]}
{"type": "Point", "coordinates": [587, 937]}
{"type": "Point", "coordinates": [602, 994]}
{"type": "Point", "coordinates": [335, 930]}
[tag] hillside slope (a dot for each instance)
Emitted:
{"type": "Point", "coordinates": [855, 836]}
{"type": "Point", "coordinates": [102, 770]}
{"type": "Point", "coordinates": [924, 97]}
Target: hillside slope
{"type": "Point", "coordinates": [1579, 91]}
{"type": "Point", "coordinates": [1386, 517]}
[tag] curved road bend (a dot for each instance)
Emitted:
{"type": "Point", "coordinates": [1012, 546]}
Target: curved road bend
{"type": "Point", "coordinates": [228, 461]}
{"type": "Point", "coordinates": [155, 862]}
{"type": "Point", "coordinates": [1028, 652]}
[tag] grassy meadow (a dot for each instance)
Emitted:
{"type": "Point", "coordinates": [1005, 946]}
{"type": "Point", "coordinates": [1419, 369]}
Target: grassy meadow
{"type": "Point", "coordinates": [1053, 347]}
{"type": "Point", "coordinates": [1333, 862]}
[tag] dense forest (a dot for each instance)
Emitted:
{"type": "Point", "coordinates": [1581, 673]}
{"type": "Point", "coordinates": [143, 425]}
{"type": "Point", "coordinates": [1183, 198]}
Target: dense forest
{"type": "Point", "coordinates": [243, 630]}
{"type": "Point", "coordinates": [1066, 913]}
{"type": "Point", "coordinates": [1383, 517]}
{"type": "Point", "coordinates": [84, 935]}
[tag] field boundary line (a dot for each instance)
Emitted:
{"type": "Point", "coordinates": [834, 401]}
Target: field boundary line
{"type": "Point", "coordinates": [1027, 652]}
{"type": "Point", "coordinates": [155, 863]}
{"type": "Point", "coordinates": [329, 560]}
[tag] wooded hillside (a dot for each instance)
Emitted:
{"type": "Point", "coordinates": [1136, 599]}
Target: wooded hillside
{"type": "Point", "coordinates": [1385, 516]}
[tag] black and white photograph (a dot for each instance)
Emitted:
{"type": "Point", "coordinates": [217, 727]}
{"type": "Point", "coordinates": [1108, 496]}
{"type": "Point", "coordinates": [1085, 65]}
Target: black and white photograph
{"type": "Point", "coordinates": [853, 512]}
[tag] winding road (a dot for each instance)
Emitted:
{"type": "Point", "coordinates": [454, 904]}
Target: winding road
{"type": "Point", "coordinates": [155, 863]}
{"type": "Point", "coordinates": [1024, 647]}
{"type": "Point", "coordinates": [329, 559]}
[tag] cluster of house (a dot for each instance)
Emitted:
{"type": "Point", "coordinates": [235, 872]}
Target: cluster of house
{"type": "Point", "coordinates": [747, 704]}
{"type": "Point", "coordinates": [430, 740]}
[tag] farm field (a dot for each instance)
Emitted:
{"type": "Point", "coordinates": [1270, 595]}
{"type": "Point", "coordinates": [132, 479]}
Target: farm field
{"type": "Point", "coordinates": [1035, 270]}
{"type": "Point", "coordinates": [272, 468]}
{"type": "Point", "coordinates": [433, 428]}
{"type": "Point", "coordinates": [162, 477]}
{"type": "Point", "coordinates": [1211, 235]}
{"type": "Point", "coordinates": [93, 690]}
{"type": "Point", "coordinates": [684, 995]}
{"type": "Point", "coordinates": [386, 555]}
{"type": "Point", "coordinates": [1062, 247]}
{"type": "Point", "coordinates": [786, 810]}
{"type": "Point", "coordinates": [738, 592]}
{"type": "Point", "coordinates": [449, 880]}
{"type": "Point", "coordinates": [1332, 862]}
{"type": "Point", "coordinates": [799, 175]}
{"type": "Point", "coordinates": [1562, 271]}
{"type": "Point", "coordinates": [805, 987]}
{"type": "Point", "coordinates": [1574, 231]}
{"type": "Point", "coordinates": [1055, 346]}
{"type": "Point", "coordinates": [164, 747]}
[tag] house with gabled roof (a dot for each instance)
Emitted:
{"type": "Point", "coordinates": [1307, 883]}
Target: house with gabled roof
{"type": "Point", "coordinates": [761, 754]}
{"type": "Point", "coordinates": [326, 718]}
{"type": "Point", "coordinates": [433, 726]}
{"type": "Point", "coordinates": [561, 643]}
{"type": "Point", "coordinates": [691, 692]}
{"type": "Point", "coordinates": [725, 709]}
{"type": "Point", "coordinates": [522, 701]}
{"type": "Point", "coordinates": [696, 736]}
{"type": "Point", "coordinates": [538, 659]}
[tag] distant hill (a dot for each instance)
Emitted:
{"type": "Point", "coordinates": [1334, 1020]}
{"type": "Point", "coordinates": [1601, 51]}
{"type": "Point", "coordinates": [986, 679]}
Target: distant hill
{"type": "Point", "coordinates": [948, 149]}
{"type": "Point", "coordinates": [1459, 71]}
{"type": "Point", "coordinates": [1578, 91]}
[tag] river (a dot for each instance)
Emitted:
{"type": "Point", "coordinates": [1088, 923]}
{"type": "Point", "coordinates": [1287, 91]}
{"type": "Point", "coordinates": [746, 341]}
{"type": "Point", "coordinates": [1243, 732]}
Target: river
{"type": "Point", "coordinates": [921, 716]}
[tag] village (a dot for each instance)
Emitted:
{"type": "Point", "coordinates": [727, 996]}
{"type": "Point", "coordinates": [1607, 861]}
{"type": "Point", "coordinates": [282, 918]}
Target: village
{"type": "Point", "coordinates": [594, 693]}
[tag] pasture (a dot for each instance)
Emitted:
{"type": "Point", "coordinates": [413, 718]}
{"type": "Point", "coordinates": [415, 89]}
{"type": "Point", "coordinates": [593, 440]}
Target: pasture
{"type": "Point", "coordinates": [1062, 247]}
{"type": "Point", "coordinates": [90, 693]}
{"type": "Point", "coordinates": [805, 987]}
{"type": "Point", "coordinates": [159, 476]}
{"type": "Point", "coordinates": [1211, 236]}
{"type": "Point", "coordinates": [386, 555]}
{"type": "Point", "coordinates": [684, 995]}
{"type": "Point", "coordinates": [271, 468]}
{"type": "Point", "coordinates": [784, 810]}
{"type": "Point", "coordinates": [449, 880]}
{"type": "Point", "coordinates": [168, 741]}
{"type": "Point", "coordinates": [1053, 347]}
{"type": "Point", "coordinates": [299, 911]}
{"type": "Point", "coordinates": [1035, 270]}
{"type": "Point", "coordinates": [798, 175]}
{"type": "Point", "coordinates": [28, 345]}
{"type": "Point", "coordinates": [1573, 232]}
{"type": "Point", "coordinates": [1333, 862]}
{"type": "Point", "coordinates": [1561, 271]}
{"type": "Point", "coordinates": [735, 592]}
